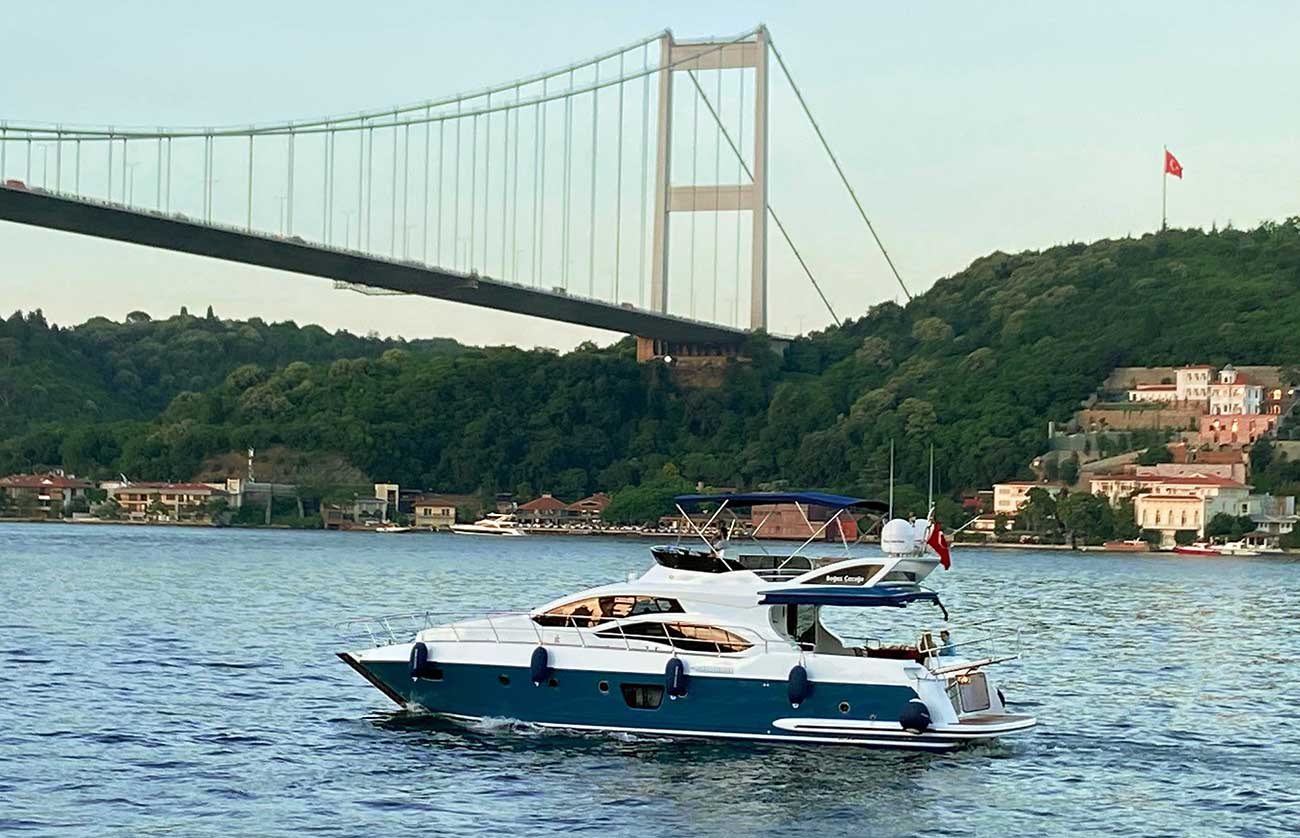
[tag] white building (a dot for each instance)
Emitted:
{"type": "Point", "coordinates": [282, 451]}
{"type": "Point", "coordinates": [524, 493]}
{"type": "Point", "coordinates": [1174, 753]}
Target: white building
{"type": "Point", "coordinates": [1154, 393]}
{"type": "Point", "coordinates": [1009, 497]}
{"type": "Point", "coordinates": [1234, 393]}
{"type": "Point", "coordinates": [1193, 383]}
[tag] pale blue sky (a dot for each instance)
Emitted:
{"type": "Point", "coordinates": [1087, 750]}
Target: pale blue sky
{"type": "Point", "coordinates": [965, 128]}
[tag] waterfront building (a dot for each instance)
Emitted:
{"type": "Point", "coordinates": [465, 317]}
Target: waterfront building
{"type": "Point", "coordinates": [434, 512]}
{"type": "Point", "coordinates": [45, 495]}
{"type": "Point", "coordinates": [181, 500]}
{"type": "Point", "coordinates": [589, 509]}
{"type": "Point", "coordinates": [1009, 497]}
{"type": "Point", "coordinates": [547, 509]}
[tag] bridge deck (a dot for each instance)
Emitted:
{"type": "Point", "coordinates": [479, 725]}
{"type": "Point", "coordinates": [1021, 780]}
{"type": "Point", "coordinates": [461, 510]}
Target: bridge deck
{"type": "Point", "coordinates": [112, 221]}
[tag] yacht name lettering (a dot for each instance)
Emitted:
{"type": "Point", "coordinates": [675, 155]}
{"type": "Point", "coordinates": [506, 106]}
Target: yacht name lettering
{"type": "Point", "coordinates": [842, 579]}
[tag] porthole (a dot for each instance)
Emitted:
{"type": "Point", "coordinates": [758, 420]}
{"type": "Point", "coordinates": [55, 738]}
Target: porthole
{"type": "Point", "coordinates": [552, 683]}
{"type": "Point", "coordinates": [504, 679]}
{"type": "Point", "coordinates": [603, 686]}
{"type": "Point", "coordinates": [844, 707]}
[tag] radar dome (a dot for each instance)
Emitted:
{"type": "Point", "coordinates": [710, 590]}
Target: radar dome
{"type": "Point", "coordinates": [898, 536]}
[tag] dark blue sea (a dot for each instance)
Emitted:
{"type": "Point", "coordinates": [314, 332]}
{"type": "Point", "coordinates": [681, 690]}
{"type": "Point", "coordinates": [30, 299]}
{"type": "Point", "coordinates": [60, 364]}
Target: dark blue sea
{"type": "Point", "coordinates": [161, 681]}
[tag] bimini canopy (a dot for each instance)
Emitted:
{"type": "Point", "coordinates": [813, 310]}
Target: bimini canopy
{"type": "Point", "coordinates": [867, 597]}
{"type": "Point", "coordinates": [835, 502]}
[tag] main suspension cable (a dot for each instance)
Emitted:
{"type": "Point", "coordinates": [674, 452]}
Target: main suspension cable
{"type": "Point", "coordinates": [835, 161]}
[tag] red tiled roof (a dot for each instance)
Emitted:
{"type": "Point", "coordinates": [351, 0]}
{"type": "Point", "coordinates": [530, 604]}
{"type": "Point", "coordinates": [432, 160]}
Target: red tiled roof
{"type": "Point", "coordinates": [599, 501]}
{"type": "Point", "coordinates": [544, 502]}
{"type": "Point", "coordinates": [432, 500]}
{"type": "Point", "coordinates": [44, 481]}
{"type": "Point", "coordinates": [1157, 387]}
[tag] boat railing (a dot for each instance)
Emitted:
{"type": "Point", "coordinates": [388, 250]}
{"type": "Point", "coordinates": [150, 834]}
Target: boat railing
{"type": "Point", "coordinates": [957, 656]}
{"type": "Point", "coordinates": [521, 628]}
{"type": "Point", "coordinates": [971, 646]}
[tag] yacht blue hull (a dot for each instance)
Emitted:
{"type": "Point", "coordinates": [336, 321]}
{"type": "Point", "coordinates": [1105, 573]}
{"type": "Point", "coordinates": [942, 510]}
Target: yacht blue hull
{"type": "Point", "coordinates": [713, 706]}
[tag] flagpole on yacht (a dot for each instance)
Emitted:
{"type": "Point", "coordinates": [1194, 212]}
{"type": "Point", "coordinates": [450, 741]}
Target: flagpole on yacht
{"type": "Point", "coordinates": [930, 500]}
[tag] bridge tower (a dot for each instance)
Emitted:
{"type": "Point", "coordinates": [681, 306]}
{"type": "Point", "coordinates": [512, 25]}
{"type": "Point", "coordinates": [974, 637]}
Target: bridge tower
{"type": "Point", "coordinates": [670, 197]}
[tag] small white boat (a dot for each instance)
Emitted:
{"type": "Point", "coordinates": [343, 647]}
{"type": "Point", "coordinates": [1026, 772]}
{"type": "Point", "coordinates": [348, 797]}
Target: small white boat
{"type": "Point", "coordinates": [392, 528]}
{"type": "Point", "coordinates": [1237, 548]}
{"type": "Point", "coordinates": [716, 643]}
{"type": "Point", "coordinates": [495, 523]}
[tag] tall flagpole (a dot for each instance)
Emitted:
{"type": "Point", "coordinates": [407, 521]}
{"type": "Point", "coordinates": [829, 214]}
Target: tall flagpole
{"type": "Point", "coordinates": [1164, 189]}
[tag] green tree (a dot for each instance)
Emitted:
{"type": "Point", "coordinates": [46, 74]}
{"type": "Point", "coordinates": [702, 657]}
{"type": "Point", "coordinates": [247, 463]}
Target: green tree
{"type": "Point", "coordinates": [1069, 469]}
{"type": "Point", "coordinates": [1038, 515]}
{"type": "Point", "coordinates": [1261, 456]}
{"type": "Point", "coordinates": [1087, 518]}
{"type": "Point", "coordinates": [1155, 455]}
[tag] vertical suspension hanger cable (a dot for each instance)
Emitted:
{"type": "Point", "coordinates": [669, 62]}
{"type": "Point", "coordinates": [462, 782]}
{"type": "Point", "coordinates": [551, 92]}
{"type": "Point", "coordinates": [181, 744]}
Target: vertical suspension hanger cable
{"type": "Point", "coordinates": [370, 182]}
{"type": "Point", "coordinates": [591, 230]}
{"type": "Point", "coordinates": [361, 181]}
{"type": "Point", "coordinates": [392, 200]}
{"type": "Point", "coordinates": [487, 178]}
{"type": "Point", "coordinates": [455, 200]}
{"type": "Point", "coordinates": [539, 184]}
{"type": "Point", "coordinates": [406, 189]}
{"type": "Point", "coordinates": [514, 200]}
{"type": "Point", "coordinates": [568, 182]}
{"type": "Point", "coordinates": [505, 193]}
{"type": "Point", "coordinates": [473, 192]}
{"type": "Point", "coordinates": [442, 144]}
{"type": "Point", "coordinates": [428, 131]}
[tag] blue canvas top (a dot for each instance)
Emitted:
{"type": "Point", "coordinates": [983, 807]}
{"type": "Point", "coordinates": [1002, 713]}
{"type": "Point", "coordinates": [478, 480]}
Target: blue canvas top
{"type": "Point", "coordinates": [868, 597]}
{"type": "Point", "coordinates": [836, 502]}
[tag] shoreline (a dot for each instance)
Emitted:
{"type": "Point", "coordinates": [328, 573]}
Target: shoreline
{"type": "Point", "coordinates": [585, 532]}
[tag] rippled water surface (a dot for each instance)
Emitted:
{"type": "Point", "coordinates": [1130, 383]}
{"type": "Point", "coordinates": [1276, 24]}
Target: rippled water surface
{"type": "Point", "coordinates": [178, 681]}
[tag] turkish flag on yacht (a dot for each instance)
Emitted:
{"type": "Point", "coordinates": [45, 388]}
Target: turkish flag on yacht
{"type": "Point", "coordinates": [939, 545]}
{"type": "Point", "coordinates": [1172, 166]}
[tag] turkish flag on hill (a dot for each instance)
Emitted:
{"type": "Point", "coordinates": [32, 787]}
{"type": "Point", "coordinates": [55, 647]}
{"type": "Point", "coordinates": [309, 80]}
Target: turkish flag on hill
{"type": "Point", "coordinates": [1172, 166]}
{"type": "Point", "coordinates": [939, 545]}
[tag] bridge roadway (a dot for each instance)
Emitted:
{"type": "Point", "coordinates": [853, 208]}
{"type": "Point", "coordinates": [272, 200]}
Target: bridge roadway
{"type": "Point", "coordinates": [169, 232]}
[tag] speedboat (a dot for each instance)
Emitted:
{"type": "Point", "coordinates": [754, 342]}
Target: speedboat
{"type": "Point", "coordinates": [1200, 548]}
{"type": "Point", "coordinates": [1237, 548]}
{"type": "Point", "coordinates": [730, 648]}
{"type": "Point", "coordinates": [496, 523]}
{"type": "Point", "coordinates": [392, 528]}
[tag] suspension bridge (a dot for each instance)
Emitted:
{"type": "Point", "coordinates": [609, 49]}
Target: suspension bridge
{"type": "Point", "coordinates": [557, 195]}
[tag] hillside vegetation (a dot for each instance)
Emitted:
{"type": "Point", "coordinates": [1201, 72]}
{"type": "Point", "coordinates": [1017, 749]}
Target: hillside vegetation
{"type": "Point", "coordinates": [977, 366]}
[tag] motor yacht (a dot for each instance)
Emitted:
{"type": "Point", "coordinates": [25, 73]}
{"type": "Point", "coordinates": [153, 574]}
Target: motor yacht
{"type": "Point", "coordinates": [719, 642]}
{"type": "Point", "coordinates": [496, 523]}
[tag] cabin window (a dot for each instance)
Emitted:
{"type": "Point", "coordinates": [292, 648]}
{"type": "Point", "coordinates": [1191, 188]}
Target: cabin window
{"type": "Point", "coordinates": [593, 611]}
{"type": "Point", "coordinates": [643, 696]}
{"type": "Point", "coordinates": [686, 637]}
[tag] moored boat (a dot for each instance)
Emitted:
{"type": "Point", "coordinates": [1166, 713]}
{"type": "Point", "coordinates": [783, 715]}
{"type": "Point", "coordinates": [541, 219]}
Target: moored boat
{"type": "Point", "coordinates": [496, 523]}
{"type": "Point", "coordinates": [1200, 548]}
{"type": "Point", "coordinates": [718, 643]}
{"type": "Point", "coordinates": [1132, 545]}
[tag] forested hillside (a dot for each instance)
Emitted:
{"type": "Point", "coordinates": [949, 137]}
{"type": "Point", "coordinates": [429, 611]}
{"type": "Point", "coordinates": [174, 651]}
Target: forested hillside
{"type": "Point", "coordinates": [977, 366]}
{"type": "Point", "coordinates": [104, 370]}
